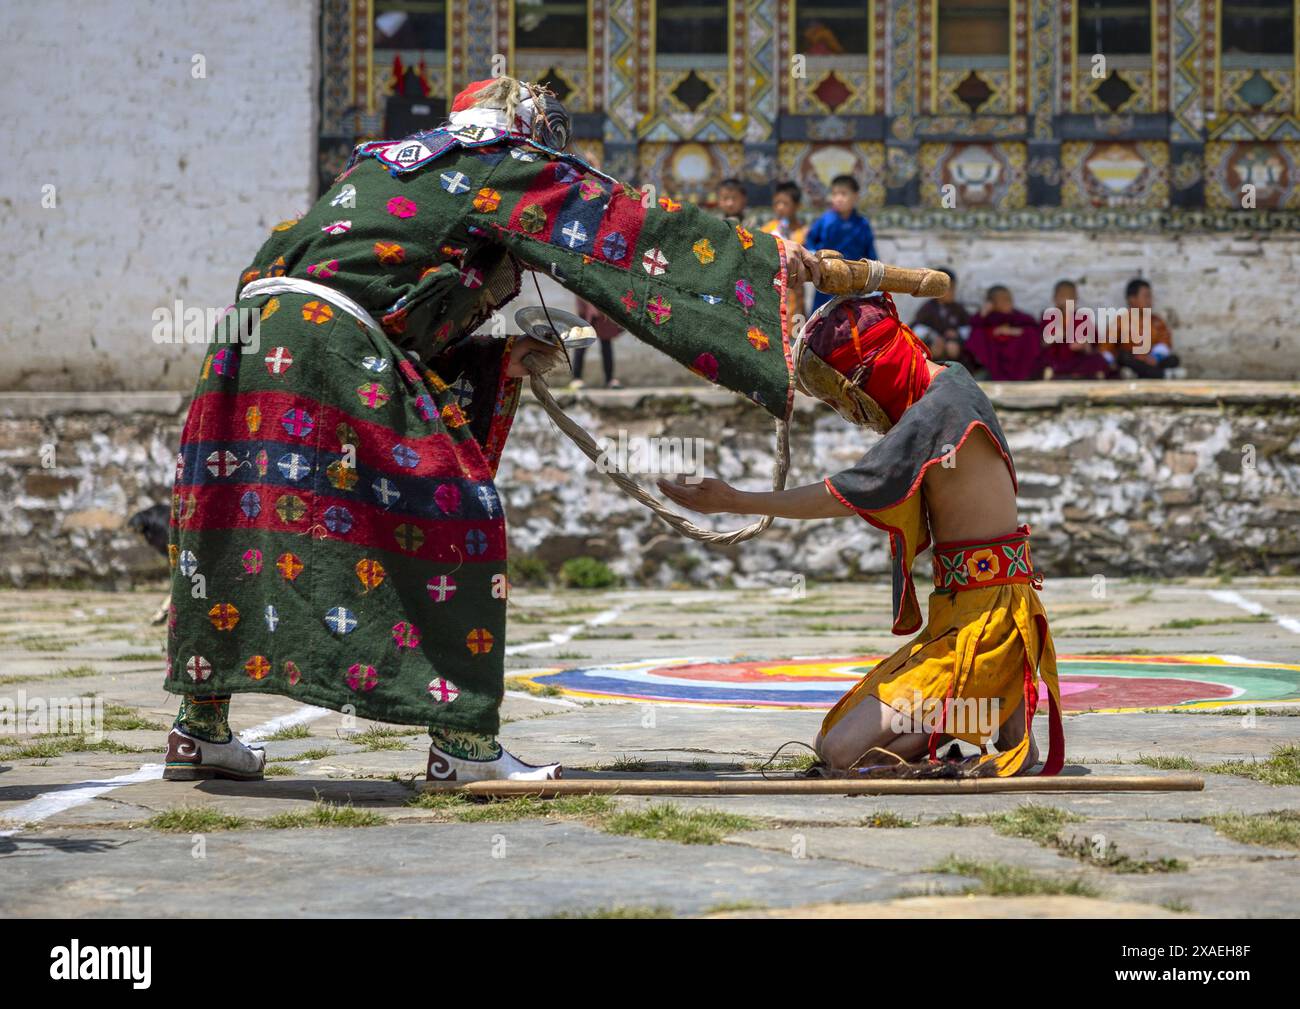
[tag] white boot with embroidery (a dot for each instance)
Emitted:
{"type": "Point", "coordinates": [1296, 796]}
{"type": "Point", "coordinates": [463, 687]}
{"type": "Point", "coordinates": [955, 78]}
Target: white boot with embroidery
{"type": "Point", "coordinates": [482, 759]}
{"type": "Point", "coordinates": [192, 759]}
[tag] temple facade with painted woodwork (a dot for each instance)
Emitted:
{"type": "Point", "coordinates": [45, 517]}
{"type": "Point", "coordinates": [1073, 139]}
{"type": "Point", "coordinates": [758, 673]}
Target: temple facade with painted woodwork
{"type": "Point", "coordinates": [1003, 114]}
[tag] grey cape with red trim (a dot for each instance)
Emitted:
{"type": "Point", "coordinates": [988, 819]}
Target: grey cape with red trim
{"type": "Point", "coordinates": [889, 476]}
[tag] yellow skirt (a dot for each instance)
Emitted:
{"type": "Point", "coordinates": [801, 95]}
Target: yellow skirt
{"type": "Point", "coordinates": [981, 653]}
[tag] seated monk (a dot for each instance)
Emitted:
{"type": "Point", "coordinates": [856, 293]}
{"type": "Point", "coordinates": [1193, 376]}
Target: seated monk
{"type": "Point", "coordinates": [1075, 355]}
{"type": "Point", "coordinates": [1005, 341]}
{"type": "Point", "coordinates": [942, 472]}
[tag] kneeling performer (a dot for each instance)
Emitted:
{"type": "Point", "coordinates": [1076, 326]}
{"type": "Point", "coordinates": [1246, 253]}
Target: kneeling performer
{"type": "Point", "coordinates": [942, 473]}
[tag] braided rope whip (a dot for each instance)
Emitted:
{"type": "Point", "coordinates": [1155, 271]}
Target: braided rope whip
{"type": "Point", "coordinates": [538, 365]}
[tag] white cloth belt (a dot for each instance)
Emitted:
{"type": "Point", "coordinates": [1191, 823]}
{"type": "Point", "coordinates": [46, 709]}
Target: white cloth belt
{"type": "Point", "coordinates": [293, 285]}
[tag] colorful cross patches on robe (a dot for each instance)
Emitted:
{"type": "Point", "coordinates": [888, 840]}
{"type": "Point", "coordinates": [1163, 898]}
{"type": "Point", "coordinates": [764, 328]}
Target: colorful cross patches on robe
{"type": "Point", "coordinates": [700, 284]}
{"type": "Point", "coordinates": [684, 281]}
{"type": "Point", "coordinates": [306, 540]}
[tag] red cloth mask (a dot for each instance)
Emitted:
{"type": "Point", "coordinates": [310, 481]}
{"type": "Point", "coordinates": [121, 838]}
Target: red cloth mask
{"type": "Point", "coordinates": [866, 342]}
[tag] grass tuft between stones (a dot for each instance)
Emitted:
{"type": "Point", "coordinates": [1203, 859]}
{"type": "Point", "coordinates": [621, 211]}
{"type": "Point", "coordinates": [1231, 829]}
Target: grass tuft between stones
{"type": "Point", "coordinates": [324, 814]}
{"type": "Point", "coordinates": [1043, 824]}
{"type": "Point", "coordinates": [618, 911]}
{"type": "Point", "coordinates": [660, 822]}
{"type": "Point", "coordinates": [285, 732]}
{"type": "Point", "coordinates": [1281, 767]}
{"type": "Point", "coordinates": [378, 738]}
{"type": "Point", "coordinates": [464, 809]}
{"type": "Point", "coordinates": [885, 819]}
{"type": "Point", "coordinates": [119, 718]}
{"type": "Point", "coordinates": [666, 822]}
{"type": "Point", "coordinates": [318, 753]}
{"type": "Point", "coordinates": [1030, 820]}
{"type": "Point", "coordinates": [196, 820]}
{"type": "Point", "coordinates": [632, 765]}
{"type": "Point", "coordinates": [49, 747]}
{"type": "Point", "coordinates": [997, 879]}
{"type": "Point", "coordinates": [203, 819]}
{"type": "Point", "coordinates": [1280, 829]}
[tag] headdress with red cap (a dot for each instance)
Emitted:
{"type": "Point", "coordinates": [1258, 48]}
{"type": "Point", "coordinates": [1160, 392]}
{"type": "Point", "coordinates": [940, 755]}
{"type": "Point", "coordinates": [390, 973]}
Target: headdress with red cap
{"type": "Point", "coordinates": [857, 356]}
{"type": "Point", "coordinates": [530, 110]}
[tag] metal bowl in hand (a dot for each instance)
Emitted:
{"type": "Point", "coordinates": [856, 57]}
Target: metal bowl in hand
{"type": "Point", "coordinates": [553, 326]}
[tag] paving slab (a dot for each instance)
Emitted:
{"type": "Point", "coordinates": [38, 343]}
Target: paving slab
{"type": "Point", "coordinates": [1263, 889]}
{"type": "Point", "coordinates": [1187, 842]}
{"type": "Point", "coordinates": [969, 906]}
{"type": "Point", "coordinates": [524, 869]}
{"type": "Point", "coordinates": [1205, 738]}
{"type": "Point", "coordinates": [94, 857]}
{"type": "Point", "coordinates": [909, 849]}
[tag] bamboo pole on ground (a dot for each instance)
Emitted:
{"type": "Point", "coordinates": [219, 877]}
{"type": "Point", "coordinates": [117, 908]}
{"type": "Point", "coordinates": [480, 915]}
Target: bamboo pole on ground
{"type": "Point", "coordinates": [819, 786]}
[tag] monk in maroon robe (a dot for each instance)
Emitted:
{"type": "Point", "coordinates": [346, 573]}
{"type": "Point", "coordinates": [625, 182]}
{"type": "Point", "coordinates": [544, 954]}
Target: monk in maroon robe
{"type": "Point", "coordinates": [1006, 342]}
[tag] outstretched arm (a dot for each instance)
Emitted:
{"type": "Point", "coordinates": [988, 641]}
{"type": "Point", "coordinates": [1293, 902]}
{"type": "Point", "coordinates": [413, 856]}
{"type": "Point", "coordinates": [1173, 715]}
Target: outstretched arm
{"type": "Point", "coordinates": [710, 496]}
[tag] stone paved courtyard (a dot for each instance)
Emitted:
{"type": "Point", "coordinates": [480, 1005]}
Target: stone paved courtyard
{"type": "Point", "coordinates": [339, 829]}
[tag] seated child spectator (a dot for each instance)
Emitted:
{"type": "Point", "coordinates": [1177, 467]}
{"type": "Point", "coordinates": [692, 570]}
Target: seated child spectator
{"type": "Point", "coordinates": [1148, 354]}
{"type": "Point", "coordinates": [785, 205]}
{"type": "Point", "coordinates": [1079, 354]}
{"type": "Point", "coordinates": [842, 228]}
{"type": "Point", "coordinates": [732, 200]}
{"type": "Point", "coordinates": [786, 198]}
{"type": "Point", "coordinates": [1006, 342]}
{"type": "Point", "coordinates": [944, 324]}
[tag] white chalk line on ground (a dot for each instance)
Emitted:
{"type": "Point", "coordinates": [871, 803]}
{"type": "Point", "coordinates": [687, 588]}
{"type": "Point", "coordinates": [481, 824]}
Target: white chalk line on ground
{"type": "Point", "coordinates": [558, 638]}
{"type": "Point", "coordinates": [304, 715]}
{"type": "Point", "coordinates": [1183, 590]}
{"type": "Point", "coordinates": [1232, 598]}
{"type": "Point", "coordinates": [568, 634]}
{"type": "Point", "coordinates": [524, 695]}
{"type": "Point", "coordinates": [71, 796]}
{"type": "Point", "coordinates": [67, 797]}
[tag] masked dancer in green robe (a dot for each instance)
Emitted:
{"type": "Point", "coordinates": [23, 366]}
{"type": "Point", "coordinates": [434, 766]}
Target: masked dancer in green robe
{"type": "Point", "coordinates": [337, 537]}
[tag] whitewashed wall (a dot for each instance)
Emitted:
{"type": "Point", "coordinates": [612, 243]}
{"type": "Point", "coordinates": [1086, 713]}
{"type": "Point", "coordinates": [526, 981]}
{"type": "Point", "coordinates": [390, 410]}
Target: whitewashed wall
{"type": "Point", "coordinates": [165, 184]}
{"type": "Point", "coordinates": [1233, 302]}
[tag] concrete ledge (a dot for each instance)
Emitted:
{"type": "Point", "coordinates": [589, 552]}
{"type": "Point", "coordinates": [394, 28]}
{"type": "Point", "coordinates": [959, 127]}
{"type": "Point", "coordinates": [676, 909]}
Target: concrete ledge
{"type": "Point", "coordinates": [48, 404]}
{"type": "Point", "coordinates": [1007, 395]}
{"type": "Point", "coordinates": [1010, 395]}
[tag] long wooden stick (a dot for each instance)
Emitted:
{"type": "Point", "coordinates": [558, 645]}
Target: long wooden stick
{"type": "Point", "coordinates": [819, 786]}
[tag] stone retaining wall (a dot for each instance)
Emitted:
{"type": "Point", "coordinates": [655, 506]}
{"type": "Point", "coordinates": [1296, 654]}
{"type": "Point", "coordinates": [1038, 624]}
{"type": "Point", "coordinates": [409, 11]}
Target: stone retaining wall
{"type": "Point", "coordinates": [1163, 478]}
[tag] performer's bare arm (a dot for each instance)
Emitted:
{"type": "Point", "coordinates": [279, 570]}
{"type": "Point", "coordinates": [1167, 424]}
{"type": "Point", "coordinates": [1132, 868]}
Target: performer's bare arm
{"type": "Point", "coordinates": [972, 499]}
{"type": "Point", "coordinates": [814, 501]}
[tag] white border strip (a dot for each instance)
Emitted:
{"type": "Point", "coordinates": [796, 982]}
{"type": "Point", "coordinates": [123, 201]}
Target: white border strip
{"type": "Point", "coordinates": [1255, 609]}
{"type": "Point", "coordinates": [64, 797]}
{"type": "Point", "coordinates": [568, 634]}
{"type": "Point", "coordinates": [305, 715]}
{"type": "Point", "coordinates": [70, 796]}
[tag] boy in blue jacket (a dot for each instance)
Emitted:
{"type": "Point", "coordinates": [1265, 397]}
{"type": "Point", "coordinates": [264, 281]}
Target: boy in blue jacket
{"type": "Point", "coordinates": [842, 228]}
